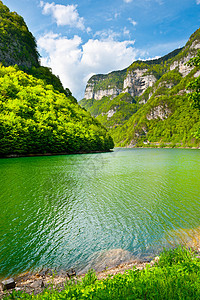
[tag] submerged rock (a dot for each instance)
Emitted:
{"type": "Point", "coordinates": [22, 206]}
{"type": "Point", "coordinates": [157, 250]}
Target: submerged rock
{"type": "Point", "coordinates": [108, 259]}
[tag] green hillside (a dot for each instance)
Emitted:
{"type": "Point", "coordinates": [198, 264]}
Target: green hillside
{"type": "Point", "coordinates": [18, 47]}
{"type": "Point", "coordinates": [109, 81]}
{"type": "Point", "coordinates": [166, 119]}
{"type": "Point", "coordinates": [37, 115]}
{"type": "Point", "coordinates": [35, 118]}
{"type": "Point", "coordinates": [162, 115]}
{"type": "Point", "coordinates": [157, 67]}
{"type": "Point", "coordinates": [17, 44]}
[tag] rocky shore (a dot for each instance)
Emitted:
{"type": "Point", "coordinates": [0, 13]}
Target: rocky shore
{"type": "Point", "coordinates": [48, 279]}
{"type": "Point", "coordinates": [36, 283]}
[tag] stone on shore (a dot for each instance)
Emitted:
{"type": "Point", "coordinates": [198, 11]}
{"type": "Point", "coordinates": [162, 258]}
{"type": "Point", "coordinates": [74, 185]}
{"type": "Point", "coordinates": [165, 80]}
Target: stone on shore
{"type": "Point", "coordinates": [71, 273]}
{"type": "Point", "coordinates": [37, 284]}
{"type": "Point", "coordinates": [8, 284]}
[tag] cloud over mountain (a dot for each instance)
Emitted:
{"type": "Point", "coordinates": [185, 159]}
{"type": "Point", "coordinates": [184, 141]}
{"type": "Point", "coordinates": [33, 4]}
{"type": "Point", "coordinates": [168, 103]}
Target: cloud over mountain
{"type": "Point", "coordinates": [76, 61]}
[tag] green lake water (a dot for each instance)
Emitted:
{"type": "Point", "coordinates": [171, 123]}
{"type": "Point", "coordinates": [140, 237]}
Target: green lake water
{"type": "Point", "coordinates": [92, 210]}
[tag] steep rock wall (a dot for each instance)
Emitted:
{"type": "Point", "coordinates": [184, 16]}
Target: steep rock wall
{"type": "Point", "coordinates": [181, 64]}
{"type": "Point", "coordinates": [135, 83]}
{"type": "Point", "coordinates": [138, 81]}
{"type": "Point", "coordinates": [90, 92]}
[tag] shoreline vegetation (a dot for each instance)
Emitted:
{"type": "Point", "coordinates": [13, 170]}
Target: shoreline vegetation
{"type": "Point", "coordinates": [51, 154]}
{"type": "Point", "coordinates": [157, 146]}
{"type": "Point", "coordinates": [174, 274]}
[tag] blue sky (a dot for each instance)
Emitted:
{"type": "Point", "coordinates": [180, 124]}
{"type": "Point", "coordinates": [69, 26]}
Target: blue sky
{"type": "Point", "coordinates": [79, 38]}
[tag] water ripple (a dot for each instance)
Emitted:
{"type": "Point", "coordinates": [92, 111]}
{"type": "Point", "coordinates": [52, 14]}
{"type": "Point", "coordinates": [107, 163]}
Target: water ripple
{"type": "Point", "coordinates": [92, 210]}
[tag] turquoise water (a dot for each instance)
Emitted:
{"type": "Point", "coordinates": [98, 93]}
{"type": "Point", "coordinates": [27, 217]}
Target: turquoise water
{"type": "Point", "coordinates": [75, 210]}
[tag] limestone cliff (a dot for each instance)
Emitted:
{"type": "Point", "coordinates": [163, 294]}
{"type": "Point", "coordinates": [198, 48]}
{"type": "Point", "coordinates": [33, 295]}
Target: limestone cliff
{"type": "Point", "coordinates": [91, 93]}
{"type": "Point", "coordinates": [134, 83]}
{"type": "Point", "coordinates": [180, 62]}
{"type": "Point", "coordinates": [109, 85]}
{"type": "Point", "coordinates": [137, 81]}
{"type": "Point", "coordinates": [133, 80]}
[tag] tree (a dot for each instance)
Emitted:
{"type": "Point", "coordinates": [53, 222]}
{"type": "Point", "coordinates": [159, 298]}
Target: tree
{"type": "Point", "coordinates": [194, 86]}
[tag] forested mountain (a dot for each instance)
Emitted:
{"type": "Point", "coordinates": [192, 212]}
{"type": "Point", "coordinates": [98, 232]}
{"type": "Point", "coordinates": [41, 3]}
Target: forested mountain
{"type": "Point", "coordinates": [37, 115]}
{"type": "Point", "coordinates": [149, 105]}
{"type": "Point", "coordinates": [17, 44]}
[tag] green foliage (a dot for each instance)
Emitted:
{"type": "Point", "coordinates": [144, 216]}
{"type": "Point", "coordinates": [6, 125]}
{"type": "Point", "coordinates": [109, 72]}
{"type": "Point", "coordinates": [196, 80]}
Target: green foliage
{"type": "Point", "coordinates": [162, 116]}
{"type": "Point", "coordinates": [48, 77]}
{"type": "Point", "coordinates": [87, 103]}
{"type": "Point", "coordinates": [17, 44]}
{"type": "Point", "coordinates": [95, 107]}
{"type": "Point", "coordinates": [111, 113]}
{"type": "Point", "coordinates": [194, 85]}
{"type": "Point", "coordinates": [37, 115]}
{"type": "Point", "coordinates": [174, 124]}
{"type": "Point", "coordinates": [170, 77]}
{"type": "Point", "coordinates": [35, 118]}
{"type": "Point", "coordinates": [178, 125]}
{"type": "Point", "coordinates": [194, 97]}
{"type": "Point", "coordinates": [156, 67]}
{"type": "Point", "coordinates": [175, 276]}
{"type": "Point", "coordinates": [109, 81]}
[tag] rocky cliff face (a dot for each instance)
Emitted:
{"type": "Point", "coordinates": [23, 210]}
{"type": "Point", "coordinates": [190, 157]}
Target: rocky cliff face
{"type": "Point", "coordinates": [137, 81]}
{"type": "Point", "coordinates": [90, 92]}
{"type": "Point", "coordinates": [190, 51]}
{"type": "Point", "coordinates": [109, 85]}
{"type": "Point", "coordinates": [12, 55]}
{"type": "Point", "coordinates": [159, 112]}
{"type": "Point", "coordinates": [141, 75]}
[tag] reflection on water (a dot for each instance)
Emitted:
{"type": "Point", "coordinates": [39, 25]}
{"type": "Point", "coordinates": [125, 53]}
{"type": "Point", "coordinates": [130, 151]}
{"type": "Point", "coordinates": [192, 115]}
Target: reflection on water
{"type": "Point", "coordinates": [92, 209]}
{"type": "Point", "coordinates": [186, 237]}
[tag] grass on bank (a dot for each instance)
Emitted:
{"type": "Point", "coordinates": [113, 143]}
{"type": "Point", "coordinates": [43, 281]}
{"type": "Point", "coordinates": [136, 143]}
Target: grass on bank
{"type": "Point", "coordinates": [175, 276]}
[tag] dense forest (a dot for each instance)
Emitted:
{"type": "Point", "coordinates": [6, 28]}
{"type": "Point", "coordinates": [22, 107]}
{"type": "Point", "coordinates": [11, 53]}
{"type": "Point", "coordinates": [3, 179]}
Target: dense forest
{"type": "Point", "coordinates": [37, 115]}
{"type": "Point", "coordinates": [17, 44]}
{"type": "Point", "coordinates": [35, 118]}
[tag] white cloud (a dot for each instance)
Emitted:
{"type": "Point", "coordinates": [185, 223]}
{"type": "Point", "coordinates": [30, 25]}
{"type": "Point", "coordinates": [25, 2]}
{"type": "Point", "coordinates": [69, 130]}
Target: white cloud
{"type": "Point", "coordinates": [198, 1]}
{"type": "Point", "coordinates": [63, 14]}
{"type": "Point", "coordinates": [126, 31]}
{"type": "Point", "coordinates": [134, 23]}
{"type": "Point", "coordinates": [107, 34]}
{"type": "Point", "coordinates": [127, 1]}
{"type": "Point", "coordinates": [75, 62]}
{"type": "Point", "coordinates": [152, 58]}
{"type": "Point", "coordinates": [117, 15]}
